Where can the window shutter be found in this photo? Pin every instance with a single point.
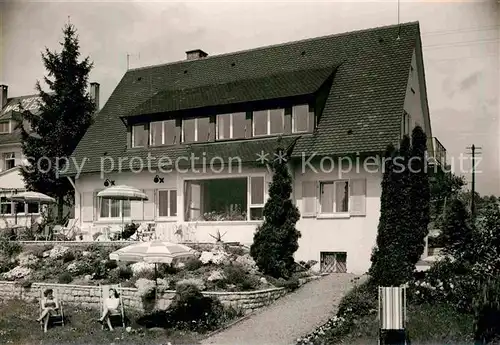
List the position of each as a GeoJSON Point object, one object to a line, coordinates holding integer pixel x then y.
{"type": "Point", "coordinates": [309, 199]}
{"type": "Point", "coordinates": [149, 205]}
{"type": "Point", "coordinates": [358, 197]}
{"type": "Point", "coordinates": [95, 206]}
{"type": "Point", "coordinates": [136, 210]}
{"type": "Point", "coordinates": [86, 206]}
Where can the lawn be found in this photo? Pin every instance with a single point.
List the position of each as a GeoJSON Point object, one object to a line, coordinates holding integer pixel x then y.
{"type": "Point", "coordinates": [18, 327]}
{"type": "Point", "coordinates": [427, 325]}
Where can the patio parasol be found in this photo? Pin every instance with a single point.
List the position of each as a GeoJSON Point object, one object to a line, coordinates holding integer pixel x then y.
{"type": "Point", "coordinates": [156, 252]}
{"type": "Point", "coordinates": [31, 197]}
{"type": "Point", "coordinates": [123, 193]}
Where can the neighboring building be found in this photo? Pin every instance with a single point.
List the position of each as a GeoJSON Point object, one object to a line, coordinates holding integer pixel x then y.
{"type": "Point", "coordinates": [332, 97]}
{"type": "Point", "coordinates": [11, 155]}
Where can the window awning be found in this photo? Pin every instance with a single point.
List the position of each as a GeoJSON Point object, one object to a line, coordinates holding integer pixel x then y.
{"type": "Point", "coordinates": [277, 86]}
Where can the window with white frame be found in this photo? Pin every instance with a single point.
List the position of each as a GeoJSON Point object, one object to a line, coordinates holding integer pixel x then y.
{"type": "Point", "coordinates": [139, 138]}
{"type": "Point", "coordinates": [300, 118]}
{"type": "Point", "coordinates": [5, 206]}
{"type": "Point", "coordinates": [9, 160]}
{"type": "Point", "coordinates": [231, 126]}
{"type": "Point", "coordinates": [167, 203]}
{"type": "Point", "coordinates": [196, 130]}
{"type": "Point", "coordinates": [110, 208]}
{"type": "Point", "coordinates": [162, 133]}
{"type": "Point", "coordinates": [224, 199]}
{"type": "Point", "coordinates": [334, 197]}
{"type": "Point", "coordinates": [405, 124]}
{"type": "Point", "coordinates": [256, 206]}
{"type": "Point", "coordinates": [33, 207]}
{"type": "Point", "coordinates": [4, 127]}
{"type": "Point", "coordinates": [268, 122]}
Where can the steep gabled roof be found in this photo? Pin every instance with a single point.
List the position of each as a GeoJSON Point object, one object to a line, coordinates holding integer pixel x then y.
{"type": "Point", "coordinates": [361, 113]}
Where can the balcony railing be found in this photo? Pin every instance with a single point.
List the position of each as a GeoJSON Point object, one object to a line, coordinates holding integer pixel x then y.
{"type": "Point", "coordinates": [436, 151]}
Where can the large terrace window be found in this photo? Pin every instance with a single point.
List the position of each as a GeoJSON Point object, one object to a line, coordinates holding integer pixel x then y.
{"type": "Point", "coordinates": [229, 199]}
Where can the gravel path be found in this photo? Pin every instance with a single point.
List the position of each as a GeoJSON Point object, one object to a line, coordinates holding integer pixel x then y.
{"type": "Point", "coordinates": [290, 317]}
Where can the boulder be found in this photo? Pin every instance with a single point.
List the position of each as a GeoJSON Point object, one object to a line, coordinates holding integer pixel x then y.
{"type": "Point", "coordinates": [247, 262]}
{"type": "Point", "coordinates": [17, 272]}
{"type": "Point", "coordinates": [215, 276]}
{"type": "Point", "coordinates": [263, 281]}
{"type": "Point", "coordinates": [58, 252]}
{"type": "Point", "coordinates": [27, 260]}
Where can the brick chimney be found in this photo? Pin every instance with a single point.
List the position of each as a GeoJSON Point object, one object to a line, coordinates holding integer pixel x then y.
{"type": "Point", "coordinates": [94, 93]}
{"type": "Point", "coordinates": [195, 54]}
{"type": "Point", "coordinates": [3, 95]}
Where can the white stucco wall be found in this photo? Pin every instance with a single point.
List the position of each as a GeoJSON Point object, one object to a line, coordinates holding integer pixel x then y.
{"type": "Point", "coordinates": [413, 101]}
{"type": "Point", "coordinates": [354, 235]}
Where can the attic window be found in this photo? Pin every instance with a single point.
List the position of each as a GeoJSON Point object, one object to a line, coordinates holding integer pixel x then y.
{"type": "Point", "coordinates": [349, 132]}
{"type": "Point", "coordinates": [139, 79]}
{"type": "Point", "coordinates": [233, 64]}
{"type": "Point", "coordinates": [185, 71]}
{"type": "Point", "coordinates": [139, 136]}
{"type": "Point", "coordinates": [303, 53]}
{"type": "Point", "coordinates": [4, 127]}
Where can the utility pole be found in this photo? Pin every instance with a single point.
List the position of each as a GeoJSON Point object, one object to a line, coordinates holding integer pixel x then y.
{"type": "Point", "coordinates": [473, 152]}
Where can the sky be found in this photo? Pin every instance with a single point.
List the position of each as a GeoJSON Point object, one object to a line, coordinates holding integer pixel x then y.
{"type": "Point", "coordinates": [461, 46]}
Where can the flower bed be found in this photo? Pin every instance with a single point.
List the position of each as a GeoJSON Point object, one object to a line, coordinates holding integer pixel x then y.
{"type": "Point", "coordinates": [215, 267]}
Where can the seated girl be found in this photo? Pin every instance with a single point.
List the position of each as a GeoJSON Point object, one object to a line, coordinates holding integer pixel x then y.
{"type": "Point", "coordinates": [50, 306]}
{"type": "Point", "coordinates": [111, 305]}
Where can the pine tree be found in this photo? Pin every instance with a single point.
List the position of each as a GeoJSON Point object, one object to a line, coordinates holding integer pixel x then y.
{"type": "Point", "coordinates": [65, 114]}
{"type": "Point", "coordinates": [276, 240]}
{"type": "Point", "coordinates": [456, 233]}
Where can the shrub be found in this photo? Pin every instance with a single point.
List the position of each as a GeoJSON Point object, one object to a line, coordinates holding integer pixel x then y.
{"type": "Point", "coordinates": [361, 300]}
{"type": "Point", "coordinates": [236, 275]}
{"type": "Point", "coordinates": [6, 265]}
{"type": "Point", "coordinates": [190, 309]}
{"type": "Point", "coordinates": [276, 240]}
{"type": "Point", "coordinates": [193, 264]}
{"type": "Point", "coordinates": [236, 250]}
{"type": "Point", "coordinates": [10, 248]}
{"type": "Point", "coordinates": [39, 250]}
{"type": "Point", "coordinates": [26, 284]}
{"type": "Point", "coordinates": [487, 313]}
{"type": "Point", "coordinates": [110, 264]}
{"type": "Point", "coordinates": [124, 272]}
{"type": "Point", "coordinates": [96, 235]}
{"type": "Point", "coordinates": [65, 278]}
{"type": "Point", "coordinates": [68, 256]}
{"type": "Point", "coordinates": [129, 230]}
{"type": "Point", "coordinates": [289, 284]}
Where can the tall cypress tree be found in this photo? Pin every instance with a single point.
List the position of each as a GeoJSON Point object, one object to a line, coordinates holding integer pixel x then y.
{"type": "Point", "coordinates": [404, 214]}
{"type": "Point", "coordinates": [276, 240]}
{"type": "Point", "coordinates": [419, 195]}
{"type": "Point", "coordinates": [65, 114]}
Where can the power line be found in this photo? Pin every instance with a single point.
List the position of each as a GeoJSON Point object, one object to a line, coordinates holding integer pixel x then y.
{"type": "Point", "coordinates": [452, 32]}
{"type": "Point", "coordinates": [456, 44]}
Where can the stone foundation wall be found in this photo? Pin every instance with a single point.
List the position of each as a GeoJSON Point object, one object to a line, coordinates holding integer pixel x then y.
{"type": "Point", "coordinates": [89, 296]}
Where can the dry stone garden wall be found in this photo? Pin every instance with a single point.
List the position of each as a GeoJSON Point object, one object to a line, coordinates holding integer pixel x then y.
{"type": "Point", "coordinates": [89, 296]}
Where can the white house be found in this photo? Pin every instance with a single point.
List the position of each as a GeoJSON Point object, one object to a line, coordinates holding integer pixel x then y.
{"type": "Point", "coordinates": [12, 160]}
{"type": "Point", "coordinates": [196, 135]}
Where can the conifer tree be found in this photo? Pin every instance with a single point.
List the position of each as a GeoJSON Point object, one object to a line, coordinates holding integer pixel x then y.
{"type": "Point", "coordinates": [276, 240]}
{"type": "Point", "coordinates": [66, 112]}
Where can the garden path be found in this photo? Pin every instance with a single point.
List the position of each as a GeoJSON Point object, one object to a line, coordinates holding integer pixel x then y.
{"type": "Point", "coordinates": [290, 317]}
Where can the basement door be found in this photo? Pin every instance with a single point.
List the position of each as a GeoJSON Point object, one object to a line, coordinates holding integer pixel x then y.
{"type": "Point", "coordinates": [333, 262]}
